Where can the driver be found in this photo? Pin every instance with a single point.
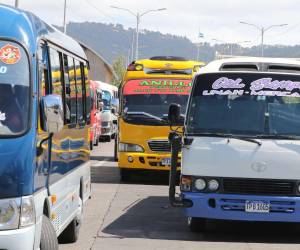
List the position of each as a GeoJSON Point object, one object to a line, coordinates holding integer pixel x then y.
{"type": "Point", "coordinates": [10, 115]}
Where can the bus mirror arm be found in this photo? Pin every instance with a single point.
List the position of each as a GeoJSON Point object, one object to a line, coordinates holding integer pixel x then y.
{"type": "Point", "coordinates": [175, 140]}
{"type": "Point", "coordinates": [40, 149]}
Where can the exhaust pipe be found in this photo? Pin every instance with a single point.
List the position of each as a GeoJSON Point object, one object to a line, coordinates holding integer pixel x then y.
{"type": "Point", "coordinates": [175, 140]}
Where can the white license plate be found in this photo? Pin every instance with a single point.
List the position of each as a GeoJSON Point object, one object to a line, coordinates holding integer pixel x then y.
{"type": "Point", "coordinates": [257, 207]}
{"type": "Point", "coordinates": [166, 161]}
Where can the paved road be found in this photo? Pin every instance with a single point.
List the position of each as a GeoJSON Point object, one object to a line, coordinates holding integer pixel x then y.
{"type": "Point", "coordinates": [137, 216]}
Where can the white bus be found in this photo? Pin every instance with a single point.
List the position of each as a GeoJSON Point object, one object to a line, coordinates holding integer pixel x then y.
{"type": "Point", "coordinates": [241, 143]}
{"type": "Point", "coordinates": [109, 126]}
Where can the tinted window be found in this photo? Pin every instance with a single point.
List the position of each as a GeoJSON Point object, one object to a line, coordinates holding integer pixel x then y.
{"type": "Point", "coordinates": [14, 89]}
{"type": "Point", "coordinates": [70, 89]}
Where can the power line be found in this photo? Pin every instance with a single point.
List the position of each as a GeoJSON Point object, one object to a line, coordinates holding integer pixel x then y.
{"type": "Point", "coordinates": [100, 11]}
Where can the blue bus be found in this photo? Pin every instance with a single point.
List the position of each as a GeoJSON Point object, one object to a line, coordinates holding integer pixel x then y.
{"type": "Point", "coordinates": [44, 133]}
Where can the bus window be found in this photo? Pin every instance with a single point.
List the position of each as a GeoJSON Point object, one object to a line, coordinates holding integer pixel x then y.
{"type": "Point", "coordinates": [56, 73]}
{"type": "Point", "coordinates": [87, 94]}
{"type": "Point", "coordinates": [43, 70]}
{"type": "Point", "coordinates": [70, 89]}
{"type": "Point", "coordinates": [80, 114]}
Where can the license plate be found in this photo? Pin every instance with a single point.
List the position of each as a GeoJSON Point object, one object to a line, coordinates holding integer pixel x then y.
{"type": "Point", "coordinates": [166, 161]}
{"type": "Point", "coordinates": [257, 207]}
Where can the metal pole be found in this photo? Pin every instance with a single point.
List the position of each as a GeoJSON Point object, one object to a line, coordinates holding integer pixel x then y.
{"type": "Point", "coordinates": [231, 49]}
{"type": "Point", "coordinates": [198, 51]}
{"type": "Point", "coordinates": [65, 13]}
{"type": "Point", "coordinates": [17, 3]}
{"type": "Point", "coordinates": [262, 41]}
{"type": "Point", "coordinates": [137, 37]}
{"type": "Point", "coordinates": [132, 46]}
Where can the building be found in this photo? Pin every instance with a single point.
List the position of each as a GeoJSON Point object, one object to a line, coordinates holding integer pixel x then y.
{"type": "Point", "coordinates": [100, 69]}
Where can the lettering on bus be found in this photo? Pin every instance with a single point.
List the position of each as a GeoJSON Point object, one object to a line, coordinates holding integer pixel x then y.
{"type": "Point", "coordinates": [158, 86]}
{"type": "Point", "coordinates": [3, 70]}
{"type": "Point", "coordinates": [260, 87]}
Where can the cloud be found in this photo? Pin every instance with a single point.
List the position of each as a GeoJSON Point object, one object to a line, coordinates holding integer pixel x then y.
{"type": "Point", "coordinates": [215, 18]}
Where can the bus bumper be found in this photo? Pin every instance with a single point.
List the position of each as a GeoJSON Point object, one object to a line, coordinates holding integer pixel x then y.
{"type": "Point", "coordinates": [232, 207]}
{"type": "Point", "coordinates": [144, 161]}
{"type": "Point", "coordinates": [18, 239]}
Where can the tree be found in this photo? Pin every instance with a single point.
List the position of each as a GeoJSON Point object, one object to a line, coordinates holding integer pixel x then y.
{"type": "Point", "coordinates": [119, 71]}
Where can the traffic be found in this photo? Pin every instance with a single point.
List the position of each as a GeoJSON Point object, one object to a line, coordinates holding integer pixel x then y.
{"type": "Point", "coordinates": [225, 132]}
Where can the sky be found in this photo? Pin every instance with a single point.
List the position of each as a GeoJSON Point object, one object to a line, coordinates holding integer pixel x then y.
{"type": "Point", "coordinates": [215, 19]}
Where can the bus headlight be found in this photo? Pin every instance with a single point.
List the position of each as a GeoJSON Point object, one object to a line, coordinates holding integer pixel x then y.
{"type": "Point", "coordinates": [200, 184]}
{"type": "Point", "coordinates": [128, 147]}
{"type": "Point", "coordinates": [9, 213]}
{"type": "Point", "coordinates": [213, 185]}
{"type": "Point", "coordinates": [27, 212]}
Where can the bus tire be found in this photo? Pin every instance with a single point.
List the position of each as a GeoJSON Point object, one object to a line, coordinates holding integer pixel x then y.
{"type": "Point", "coordinates": [71, 233]}
{"type": "Point", "coordinates": [196, 224]}
{"type": "Point", "coordinates": [48, 236]}
{"type": "Point", "coordinates": [116, 150]}
{"type": "Point", "coordinates": [124, 174]}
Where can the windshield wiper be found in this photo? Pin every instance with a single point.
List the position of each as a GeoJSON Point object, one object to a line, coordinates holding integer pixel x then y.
{"type": "Point", "coordinates": [231, 136]}
{"type": "Point", "coordinates": [280, 137]}
{"type": "Point", "coordinates": [147, 115]}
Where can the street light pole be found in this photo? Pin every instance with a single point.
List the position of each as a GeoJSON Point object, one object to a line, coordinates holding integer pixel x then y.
{"type": "Point", "coordinates": [16, 3]}
{"type": "Point", "coordinates": [138, 17]}
{"type": "Point", "coordinates": [65, 16]}
{"type": "Point", "coordinates": [263, 30]}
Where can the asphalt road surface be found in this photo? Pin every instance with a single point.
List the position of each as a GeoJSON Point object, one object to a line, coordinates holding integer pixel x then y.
{"type": "Point", "coordinates": [137, 216]}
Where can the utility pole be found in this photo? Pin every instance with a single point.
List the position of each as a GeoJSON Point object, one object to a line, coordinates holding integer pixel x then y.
{"type": "Point", "coordinates": [65, 16]}
{"type": "Point", "coordinates": [17, 3]}
{"type": "Point", "coordinates": [200, 36]}
{"type": "Point", "coordinates": [263, 30]}
{"type": "Point", "coordinates": [138, 17]}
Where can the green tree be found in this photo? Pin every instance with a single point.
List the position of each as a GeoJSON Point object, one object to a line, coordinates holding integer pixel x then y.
{"type": "Point", "coordinates": [119, 70]}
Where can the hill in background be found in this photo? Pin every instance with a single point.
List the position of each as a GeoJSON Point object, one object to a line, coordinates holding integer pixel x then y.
{"type": "Point", "coordinates": [112, 41]}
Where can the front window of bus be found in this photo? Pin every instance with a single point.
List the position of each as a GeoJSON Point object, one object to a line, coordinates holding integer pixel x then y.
{"type": "Point", "coordinates": [106, 97]}
{"type": "Point", "coordinates": [249, 105]}
{"type": "Point", "coordinates": [147, 102]}
{"type": "Point", "coordinates": [14, 89]}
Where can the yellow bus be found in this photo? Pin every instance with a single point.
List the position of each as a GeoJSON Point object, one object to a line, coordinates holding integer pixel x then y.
{"type": "Point", "coordinates": [149, 87]}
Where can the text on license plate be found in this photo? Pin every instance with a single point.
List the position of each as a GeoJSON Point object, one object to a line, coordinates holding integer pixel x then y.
{"type": "Point", "coordinates": [166, 161]}
{"type": "Point", "coordinates": [257, 207]}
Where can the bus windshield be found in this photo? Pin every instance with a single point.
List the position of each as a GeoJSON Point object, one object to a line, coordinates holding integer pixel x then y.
{"type": "Point", "coordinates": [147, 101]}
{"type": "Point", "coordinates": [106, 97]}
{"type": "Point", "coordinates": [245, 104]}
{"type": "Point", "coordinates": [14, 89]}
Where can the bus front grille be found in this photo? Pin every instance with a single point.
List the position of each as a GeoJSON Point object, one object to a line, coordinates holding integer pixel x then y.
{"type": "Point", "coordinates": [159, 146]}
{"type": "Point", "coordinates": [258, 186]}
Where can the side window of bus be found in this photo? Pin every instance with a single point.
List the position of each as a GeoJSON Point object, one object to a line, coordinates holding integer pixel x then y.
{"type": "Point", "coordinates": [55, 72]}
{"type": "Point", "coordinates": [70, 90]}
{"type": "Point", "coordinates": [43, 70]}
{"type": "Point", "coordinates": [80, 99]}
{"type": "Point", "coordinates": [88, 93]}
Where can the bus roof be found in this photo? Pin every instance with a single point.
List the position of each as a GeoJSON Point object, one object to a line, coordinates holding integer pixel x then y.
{"type": "Point", "coordinates": [253, 64]}
{"type": "Point", "coordinates": [28, 29]}
{"type": "Point", "coordinates": [106, 86]}
{"type": "Point", "coordinates": [166, 67]}
{"type": "Point", "coordinates": [165, 62]}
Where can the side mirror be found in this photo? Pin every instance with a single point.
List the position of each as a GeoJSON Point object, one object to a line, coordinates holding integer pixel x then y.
{"type": "Point", "coordinates": [174, 114]}
{"type": "Point", "coordinates": [113, 110]}
{"type": "Point", "coordinates": [52, 113]}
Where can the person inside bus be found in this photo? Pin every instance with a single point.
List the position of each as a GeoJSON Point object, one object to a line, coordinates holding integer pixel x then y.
{"type": "Point", "coordinates": [10, 112]}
